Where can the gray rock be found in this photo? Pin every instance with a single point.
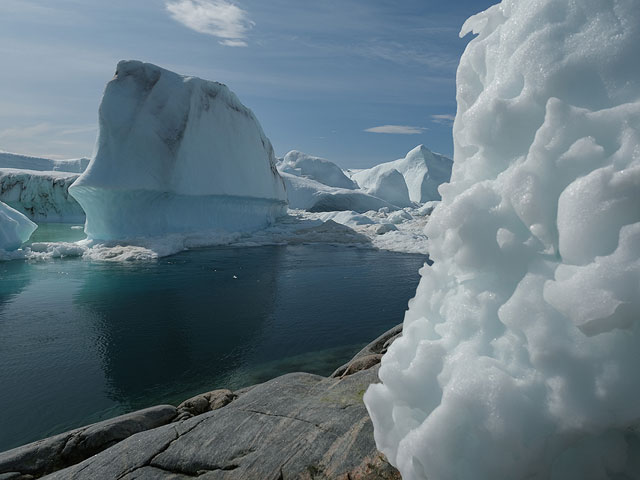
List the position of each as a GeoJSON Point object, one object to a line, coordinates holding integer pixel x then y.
{"type": "Point", "coordinates": [51, 454]}
{"type": "Point", "coordinates": [295, 426]}
{"type": "Point", "coordinates": [203, 403]}
{"type": "Point", "coordinates": [373, 351]}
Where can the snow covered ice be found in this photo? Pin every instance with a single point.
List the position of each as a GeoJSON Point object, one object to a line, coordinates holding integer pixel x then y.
{"type": "Point", "coordinates": [422, 170]}
{"type": "Point", "coordinates": [15, 228]}
{"type": "Point", "coordinates": [520, 350]}
{"type": "Point", "coordinates": [28, 162]}
{"type": "Point", "coordinates": [174, 155]}
{"type": "Point", "coordinates": [315, 168]}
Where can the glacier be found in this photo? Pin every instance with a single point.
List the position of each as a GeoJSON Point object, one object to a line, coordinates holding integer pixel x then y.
{"type": "Point", "coordinates": [15, 228]}
{"type": "Point", "coordinates": [176, 154]}
{"type": "Point", "coordinates": [422, 169]}
{"type": "Point", "coordinates": [520, 349]}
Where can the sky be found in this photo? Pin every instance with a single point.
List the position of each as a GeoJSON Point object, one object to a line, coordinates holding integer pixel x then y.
{"type": "Point", "coordinates": [358, 82]}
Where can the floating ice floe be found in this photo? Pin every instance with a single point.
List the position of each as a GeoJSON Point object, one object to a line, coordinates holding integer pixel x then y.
{"type": "Point", "coordinates": [315, 168]}
{"type": "Point", "coordinates": [15, 229]}
{"type": "Point", "coordinates": [520, 351]}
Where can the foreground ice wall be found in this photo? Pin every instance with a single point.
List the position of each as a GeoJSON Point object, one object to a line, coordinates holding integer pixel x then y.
{"type": "Point", "coordinates": [15, 228]}
{"type": "Point", "coordinates": [520, 350]}
{"type": "Point", "coordinates": [176, 154]}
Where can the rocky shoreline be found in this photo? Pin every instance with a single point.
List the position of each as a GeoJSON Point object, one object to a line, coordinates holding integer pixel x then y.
{"type": "Point", "coordinates": [298, 425]}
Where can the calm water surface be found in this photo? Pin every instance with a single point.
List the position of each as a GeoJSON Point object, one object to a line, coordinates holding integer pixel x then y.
{"type": "Point", "coordinates": [83, 341]}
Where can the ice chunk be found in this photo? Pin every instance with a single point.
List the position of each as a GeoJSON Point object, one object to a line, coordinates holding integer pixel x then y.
{"type": "Point", "coordinates": [41, 195]}
{"type": "Point", "coordinates": [390, 186]}
{"type": "Point", "coordinates": [176, 154]}
{"type": "Point", "coordinates": [27, 162]}
{"type": "Point", "coordinates": [15, 228]}
{"type": "Point", "coordinates": [423, 172]}
{"type": "Point", "coordinates": [520, 350]}
{"type": "Point", "coordinates": [315, 168]}
{"type": "Point", "coordinates": [306, 194]}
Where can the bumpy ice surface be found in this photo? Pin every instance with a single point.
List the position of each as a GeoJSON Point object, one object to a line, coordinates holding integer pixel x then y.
{"type": "Point", "coordinates": [176, 154]}
{"type": "Point", "coordinates": [315, 168]}
{"type": "Point", "coordinates": [15, 228]}
{"type": "Point", "coordinates": [423, 172]}
{"type": "Point", "coordinates": [520, 350]}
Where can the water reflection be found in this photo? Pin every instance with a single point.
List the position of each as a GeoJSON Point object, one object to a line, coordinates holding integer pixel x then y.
{"type": "Point", "coordinates": [178, 322]}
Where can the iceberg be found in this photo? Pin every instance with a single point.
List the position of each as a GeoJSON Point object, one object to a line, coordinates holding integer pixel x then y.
{"type": "Point", "coordinates": [520, 349]}
{"type": "Point", "coordinates": [315, 168]}
{"type": "Point", "coordinates": [306, 194]}
{"type": "Point", "coordinates": [176, 155]}
{"type": "Point", "coordinates": [41, 195]}
{"type": "Point", "coordinates": [423, 172]}
{"type": "Point", "coordinates": [389, 185]}
{"type": "Point", "coordinates": [15, 228]}
{"type": "Point", "coordinates": [27, 162]}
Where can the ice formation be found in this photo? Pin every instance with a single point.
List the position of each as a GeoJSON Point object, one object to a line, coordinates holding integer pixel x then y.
{"type": "Point", "coordinates": [423, 172]}
{"type": "Point", "coordinates": [520, 350]}
{"type": "Point", "coordinates": [176, 154]}
{"type": "Point", "coordinates": [306, 194]}
{"type": "Point", "coordinates": [15, 228]}
{"type": "Point", "coordinates": [27, 162]}
{"type": "Point", "coordinates": [41, 195]}
{"type": "Point", "coordinates": [315, 168]}
{"type": "Point", "coordinates": [391, 186]}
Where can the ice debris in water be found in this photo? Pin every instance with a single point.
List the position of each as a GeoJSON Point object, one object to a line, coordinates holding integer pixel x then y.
{"type": "Point", "coordinates": [520, 350]}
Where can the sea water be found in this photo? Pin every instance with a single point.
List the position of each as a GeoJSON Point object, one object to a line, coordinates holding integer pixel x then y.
{"type": "Point", "coordinates": [82, 341]}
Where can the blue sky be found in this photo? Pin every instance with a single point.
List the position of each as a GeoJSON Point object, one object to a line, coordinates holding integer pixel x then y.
{"type": "Point", "coordinates": [356, 81]}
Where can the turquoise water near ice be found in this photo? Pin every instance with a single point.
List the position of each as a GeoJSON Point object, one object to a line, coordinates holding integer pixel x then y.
{"type": "Point", "coordinates": [83, 341]}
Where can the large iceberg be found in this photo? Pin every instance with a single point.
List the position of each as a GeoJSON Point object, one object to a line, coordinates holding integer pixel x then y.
{"type": "Point", "coordinates": [315, 168]}
{"type": "Point", "coordinates": [41, 195]}
{"type": "Point", "coordinates": [423, 172]}
{"type": "Point", "coordinates": [176, 154]}
{"type": "Point", "coordinates": [15, 228]}
{"type": "Point", "coordinates": [520, 350]}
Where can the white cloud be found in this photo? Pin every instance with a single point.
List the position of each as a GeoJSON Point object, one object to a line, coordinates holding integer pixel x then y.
{"type": "Point", "coordinates": [219, 18]}
{"type": "Point", "coordinates": [397, 129]}
{"type": "Point", "coordinates": [444, 119]}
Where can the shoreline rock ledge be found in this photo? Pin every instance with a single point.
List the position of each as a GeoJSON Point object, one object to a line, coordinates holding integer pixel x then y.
{"type": "Point", "coordinates": [297, 426]}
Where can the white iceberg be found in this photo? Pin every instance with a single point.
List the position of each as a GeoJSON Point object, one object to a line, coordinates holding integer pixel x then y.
{"type": "Point", "coordinates": [28, 162]}
{"type": "Point", "coordinates": [520, 351]}
{"type": "Point", "coordinates": [306, 194]}
{"type": "Point", "coordinates": [389, 185]}
{"type": "Point", "coordinates": [315, 168]}
{"type": "Point", "coordinates": [176, 154]}
{"type": "Point", "coordinates": [41, 195]}
{"type": "Point", "coordinates": [423, 172]}
{"type": "Point", "coordinates": [15, 228]}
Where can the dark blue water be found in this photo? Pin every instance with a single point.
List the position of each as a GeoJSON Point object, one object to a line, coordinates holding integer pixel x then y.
{"type": "Point", "coordinates": [82, 341]}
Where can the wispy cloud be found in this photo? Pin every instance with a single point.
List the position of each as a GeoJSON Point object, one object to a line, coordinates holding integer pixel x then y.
{"type": "Point", "coordinates": [219, 18]}
{"type": "Point", "coordinates": [397, 129]}
{"type": "Point", "coordinates": [443, 119]}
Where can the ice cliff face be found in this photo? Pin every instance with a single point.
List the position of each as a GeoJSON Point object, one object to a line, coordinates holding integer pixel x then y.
{"type": "Point", "coordinates": [27, 162]}
{"type": "Point", "coordinates": [520, 350]}
{"type": "Point", "coordinates": [15, 228]}
{"type": "Point", "coordinates": [176, 154]}
{"type": "Point", "coordinates": [40, 195]}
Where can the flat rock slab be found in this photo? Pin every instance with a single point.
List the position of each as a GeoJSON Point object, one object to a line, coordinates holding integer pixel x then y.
{"type": "Point", "coordinates": [53, 453]}
{"type": "Point", "coordinates": [295, 426]}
